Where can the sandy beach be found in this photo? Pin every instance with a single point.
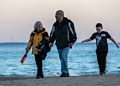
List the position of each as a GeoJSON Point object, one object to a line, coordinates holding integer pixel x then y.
{"type": "Point", "coordinates": [92, 80]}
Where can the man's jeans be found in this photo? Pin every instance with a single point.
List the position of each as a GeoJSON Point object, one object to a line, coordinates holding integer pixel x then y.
{"type": "Point", "coordinates": [63, 53]}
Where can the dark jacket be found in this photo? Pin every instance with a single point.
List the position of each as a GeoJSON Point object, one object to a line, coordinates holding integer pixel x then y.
{"type": "Point", "coordinates": [63, 32]}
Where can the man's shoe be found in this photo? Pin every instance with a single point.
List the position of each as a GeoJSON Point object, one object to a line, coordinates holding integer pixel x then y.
{"type": "Point", "coordinates": [64, 75]}
{"type": "Point", "coordinates": [67, 75]}
{"type": "Point", "coordinates": [38, 77]}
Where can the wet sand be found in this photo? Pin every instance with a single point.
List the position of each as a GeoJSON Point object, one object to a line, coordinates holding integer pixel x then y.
{"type": "Point", "coordinates": [91, 80]}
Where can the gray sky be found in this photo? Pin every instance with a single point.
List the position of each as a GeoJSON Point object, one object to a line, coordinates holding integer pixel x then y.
{"type": "Point", "coordinates": [18, 16]}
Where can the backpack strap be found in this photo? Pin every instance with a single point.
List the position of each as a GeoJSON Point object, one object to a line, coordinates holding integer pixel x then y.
{"type": "Point", "coordinates": [45, 36]}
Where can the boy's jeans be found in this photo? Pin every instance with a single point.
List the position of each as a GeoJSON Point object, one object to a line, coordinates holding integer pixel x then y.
{"type": "Point", "coordinates": [63, 53]}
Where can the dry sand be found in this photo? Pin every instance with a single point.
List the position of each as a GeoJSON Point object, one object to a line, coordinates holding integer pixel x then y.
{"type": "Point", "coordinates": [92, 80]}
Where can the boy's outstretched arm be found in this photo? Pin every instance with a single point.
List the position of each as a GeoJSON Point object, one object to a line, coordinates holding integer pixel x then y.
{"type": "Point", "coordinates": [86, 40]}
{"type": "Point", "coordinates": [112, 39]}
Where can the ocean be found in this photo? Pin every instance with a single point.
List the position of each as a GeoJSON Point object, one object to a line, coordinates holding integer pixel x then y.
{"type": "Point", "coordinates": [81, 60]}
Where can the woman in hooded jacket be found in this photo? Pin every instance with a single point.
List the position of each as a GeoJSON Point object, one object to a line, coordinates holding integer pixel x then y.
{"type": "Point", "coordinates": [35, 38]}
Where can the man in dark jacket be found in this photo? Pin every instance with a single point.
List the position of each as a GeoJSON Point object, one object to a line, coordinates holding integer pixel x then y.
{"type": "Point", "coordinates": [63, 32]}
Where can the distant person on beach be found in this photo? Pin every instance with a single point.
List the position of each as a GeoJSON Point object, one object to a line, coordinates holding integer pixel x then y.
{"type": "Point", "coordinates": [36, 37]}
{"type": "Point", "coordinates": [102, 46]}
{"type": "Point", "coordinates": [63, 32]}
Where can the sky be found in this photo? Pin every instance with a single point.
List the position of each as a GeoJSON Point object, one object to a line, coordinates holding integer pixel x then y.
{"type": "Point", "coordinates": [17, 17]}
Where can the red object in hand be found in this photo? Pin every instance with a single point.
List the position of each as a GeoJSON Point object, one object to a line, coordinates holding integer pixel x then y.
{"type": "Point", "coordinates": [23, 59]}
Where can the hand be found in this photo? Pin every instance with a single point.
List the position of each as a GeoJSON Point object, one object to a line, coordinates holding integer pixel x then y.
{"type": "Point", "coordinates": [26, 52]}
{"type": "Point", "coordinates": [25, 55]}
{"type": "Point", "coordinates": [50, 44]}
{"type": "Point", "coordinates": [117, 46]}
{"type": "Point", "coordinates": [70, 45]}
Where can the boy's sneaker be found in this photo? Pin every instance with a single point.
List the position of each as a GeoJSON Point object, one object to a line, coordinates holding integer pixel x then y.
{"type": "Point", "coordinates": [102, 73]}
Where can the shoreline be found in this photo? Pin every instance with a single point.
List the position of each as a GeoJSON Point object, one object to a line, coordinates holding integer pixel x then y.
{"type": "Point", "coordinates": [86, 80]}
